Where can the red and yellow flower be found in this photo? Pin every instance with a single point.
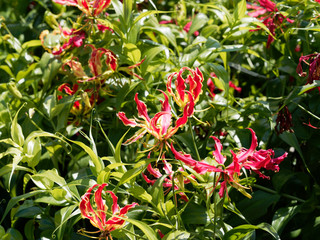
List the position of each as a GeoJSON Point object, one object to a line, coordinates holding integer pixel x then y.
{"type": "Point", "coordinates": [160, 125]}
{"type": "Point", "coordinates": [187, 89]}
{"type": "Point", "coordinates": [90, 8]}
{"type": "Point", "coordinates": [95, 209]}
{"type": "Point", "coordinates": [251, 159]}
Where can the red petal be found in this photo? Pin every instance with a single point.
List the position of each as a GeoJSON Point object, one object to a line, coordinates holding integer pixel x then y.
{"type": "Point", "coordinates": [126, 208]}
{"type": "Point", "coordinates": [142, 108]}
{"type": "Point", "coordinates": [217, 153]}
{"type": "Point", "coordinates": [125, 120]}
{"type": "Point", "coordinates": [115, 206]}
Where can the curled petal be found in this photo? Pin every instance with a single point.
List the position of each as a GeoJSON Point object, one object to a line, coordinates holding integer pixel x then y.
{"type": "Point", "coordinates": [142, 108]}
{"type": "Point", "coordinates": [76, 68]}
{"type": "Point", "coordinates": [254, 143]}
{"type": "Point", "coordinates": [139, 134]}
{"type": "Point", "coordinates": [115, 207]}
{"type": "Point", "coordinates": [67, 2]}
{"type": "Point", "coordinates": [166, 118]}
{"type": "Point", "coordinates": [154, 171]}
{"type": "Point", "coordinates": [183, 120]}
{"type": "Point", "coordinates": [100, 5]}
{"type": "Point", "coordinates": [180, 86]}
{"type": "Point", "coordinates": [217, 153]}
{"type": "Point", "coordinates": [111, 60]}
{"type": "Point", "coordinates": [126, 208]}
{"type": "Point", "coordinates": [87, 210]}
{"type": "Point", "coordinates": [147, 179]}
{"type": "Point", "coordinates": [196, 87]}
{"type": "Point", "coordinates": [167, 166]}
{"type": "Point", "coordinates": [125, 120]}
{"type": "Point", "coordinates": [199, 167]}
{"type": "Point", "coordinates": [101, 208]}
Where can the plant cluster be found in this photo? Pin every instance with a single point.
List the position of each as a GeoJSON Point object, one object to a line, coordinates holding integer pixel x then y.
{"type": "Point", "coordinates": [157, 119]}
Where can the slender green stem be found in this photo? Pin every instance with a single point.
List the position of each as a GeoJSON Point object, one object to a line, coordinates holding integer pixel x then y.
{"type": "Point", "coordinates": [313, 115]}
{"type": "Point", "coordinates": [194, 142]}
{"type": "Point", "coordinates": [214, 205]}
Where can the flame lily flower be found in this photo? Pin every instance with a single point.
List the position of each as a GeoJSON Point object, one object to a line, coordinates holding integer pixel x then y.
{"type": "Point", "coordinates": [248, 158]}
{"type": "Point", "coordinates": [97, 213]}
{"type": "Point", "coordinates": [96, 65]}
{"type": "Point", "coordinates": [159, 126]}
{"type": "Point", "coordinates": [284, 121]}
{"type": "Point", "coordinates": [168, 182]}
{"type": "Point", "coordinates": [270, 16]}
{"type": "Point", "coordinates": [69, 38]}
{"type": "Point", "coordinates": [183, 96]}
{"type": "Point", "coordinates": [313, 60]}
{"type": "Point", "coordinates": [90, 8]}
{"type": "Point", "coordinates": [80, 109]}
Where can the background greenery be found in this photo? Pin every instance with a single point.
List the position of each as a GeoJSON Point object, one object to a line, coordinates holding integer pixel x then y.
{"type": "Point", "coordinates": [51, 154]}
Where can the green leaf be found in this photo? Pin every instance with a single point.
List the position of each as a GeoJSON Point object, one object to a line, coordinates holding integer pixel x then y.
{"type": "Point", "coordinates": [32, 151]}
{"type": "Point", "coordinates": [12, 87]}
{"type": "Point", "coordinates": [147, 13]}
{"type": "Point", "coordinates": [32, 43]}
{"type": "Point", "coordinates": [117, 154]}
{"type": "Point", "coordinates": [150, 234]}
{"type": "Point", "coordinates": [2, 231]}
{"type": "Point", "coordinates": [157, 193]}
{"type": "Point", "coordinates": [198, 22]}
{"type": "Point", "coordinates": [222, 75]}
{"type": "Point", "coordinates": [13, 201]}
{"type": "Point", "coordinates": [95, 162]}
{"type": "Point", "coordinates": [242, 231]}
{"type": "Point", "coordinates": [291, 140]}
{"type": "Point", "coordinates": [47, 178]}
{"type": "Point", "coordinates": [135, 171]}
{"type": "Point", "coordinates": [282, 216]}
{"type": "Point", "coordinates": [132, 52]}
{"type": "Point", "coordinates": [61, 219]}
{"type": "Point", "coordinates": [300, 90]}
{"type": "Point", "coordinates": [8, 168]}
{"type": "Point", "coordinates": [164, 31]}
{"type": "Point", "coordinates": [195, 214]}
{"type": "Point", "coordinates": [240, 10]}
{"type": "Point", "coordinates": [12, 234]}
{"type": "Point", "coordinates": [150, 55]}
{"type": "Point", "coordinates": [16, 130]}
{"type": "Point", "coordinates": [29, 229]}
{"type": "Point", "coordinates": [140, 193]}
{"type": "Point", "coordinates": [182, 235]}
{"type": "Point", "coordinates": [7, 69]}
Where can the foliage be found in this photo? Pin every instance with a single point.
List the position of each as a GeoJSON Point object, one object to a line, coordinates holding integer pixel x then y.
{"type": "Point", "coordinates": [159, 119]}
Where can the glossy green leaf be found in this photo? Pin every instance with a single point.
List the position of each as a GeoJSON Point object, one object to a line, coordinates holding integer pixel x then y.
{"type": "Point", "coordinates": [12, 234]}
{"type": "Point", "coordinates": [240, 10]}
{"type": "Point", "coordinates": [222, 74]}
{"type": "Point", "coordinates": [13, 201]}
{"type": "Point", "coordinates": [282, 216]}
{"type": "Point", "coordinates": [16, 130]}
{"type": "Point", "coordinates": [150, 234]}
{"type": "Point", "coordinates": [117, 154]}
{"type": "Point", "coordinates": [2, 231]}
{"type": "Point", "coordinates": [182, 235]}
{"type": "Point", "coordinates": [95, 162]}
{"type": "Point", "coordinates": [132, 52]}
{"type": "Point", "coordinates": [29, 229]}
{"type": "Point", "coordinates": [198, 22]}
{"type": "Point", "coordinates": [242, 231]}
{"type": "Point", "coordinates": [140, 193]}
